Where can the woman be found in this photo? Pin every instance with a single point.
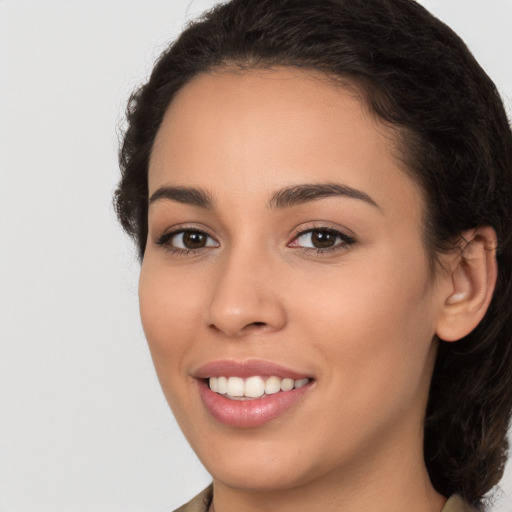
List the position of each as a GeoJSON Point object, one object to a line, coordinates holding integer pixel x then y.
{"type": "Point", "coordinates": [321, 194]}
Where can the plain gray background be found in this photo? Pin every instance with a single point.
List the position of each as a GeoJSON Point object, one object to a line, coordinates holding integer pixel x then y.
{"type": "Point", "coordinates": [83, 424]}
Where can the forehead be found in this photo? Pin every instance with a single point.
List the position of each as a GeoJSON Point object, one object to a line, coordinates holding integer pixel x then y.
{"type": "Point", "coordinates": [250, 133]}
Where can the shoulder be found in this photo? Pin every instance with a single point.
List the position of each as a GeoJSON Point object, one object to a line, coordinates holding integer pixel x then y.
{"type": "Point", "coordinates": [457, 504]}
{"type": "Point", "coordinates": [200, 503]}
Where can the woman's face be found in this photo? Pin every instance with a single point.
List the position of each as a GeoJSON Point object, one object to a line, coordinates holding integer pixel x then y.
{"type": "Point", "coordinates": [285, 251]}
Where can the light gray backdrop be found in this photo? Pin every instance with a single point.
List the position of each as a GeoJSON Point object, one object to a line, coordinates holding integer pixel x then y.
{"type": "Point", "coordinates": [83, 425]}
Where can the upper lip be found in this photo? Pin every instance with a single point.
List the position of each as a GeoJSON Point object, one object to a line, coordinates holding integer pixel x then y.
{"type": "Point", "coordinates": [246, 368]}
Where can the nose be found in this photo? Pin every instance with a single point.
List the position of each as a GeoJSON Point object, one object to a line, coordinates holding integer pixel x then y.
{"type": "Point", "coordinates": [246, 298]}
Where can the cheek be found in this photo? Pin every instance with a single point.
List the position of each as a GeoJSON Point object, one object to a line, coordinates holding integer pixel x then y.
{"type": "Point", "coordinates": [373, 324]}
{"type": "Point", "coordinates": [368, 292]}
{"type": "Point", "coordinates": [170, 314]}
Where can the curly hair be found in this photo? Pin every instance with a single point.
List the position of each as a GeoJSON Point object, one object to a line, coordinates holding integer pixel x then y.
{"type": "Point", "coordinates": [417, 75]}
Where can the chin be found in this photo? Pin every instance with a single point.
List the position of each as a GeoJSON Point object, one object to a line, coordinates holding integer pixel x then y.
{"type": "Point", "coordinates": [242, 461]}
{"type": "Point", "coordinates": [255, 477]}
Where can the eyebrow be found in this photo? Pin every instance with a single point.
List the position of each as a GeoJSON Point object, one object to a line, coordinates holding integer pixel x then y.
{"type": "Point", "coordinates": [186, 195]}
{"type": "Point", "coordinates": [284, 198]}
{"type": "Point", "coordinates": [300, 194]}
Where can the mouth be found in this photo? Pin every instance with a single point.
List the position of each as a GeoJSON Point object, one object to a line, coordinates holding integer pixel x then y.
{"type": "Point", "coordinates": [250, 393]}
{"type": "Point", "coordinates": [238, 388]}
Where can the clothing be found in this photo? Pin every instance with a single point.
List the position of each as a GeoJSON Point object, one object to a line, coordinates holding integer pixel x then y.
{"type": "Point", "coordinates": [202, 502]}
{"type": "Point", "coordinates": [457, 504]}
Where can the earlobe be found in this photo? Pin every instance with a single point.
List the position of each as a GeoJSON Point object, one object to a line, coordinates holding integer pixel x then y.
{"type": "Point", "coordinates": [472, 281]}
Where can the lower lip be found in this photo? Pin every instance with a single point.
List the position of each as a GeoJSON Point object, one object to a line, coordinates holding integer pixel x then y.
{"type": "Point", "coordinates": [249, 413]}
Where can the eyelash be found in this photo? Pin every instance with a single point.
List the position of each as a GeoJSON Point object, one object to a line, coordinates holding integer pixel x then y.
{"type": "Point", "coordinates": [346, 240]}
{"type": "Point", "coordinates": [166, 239]}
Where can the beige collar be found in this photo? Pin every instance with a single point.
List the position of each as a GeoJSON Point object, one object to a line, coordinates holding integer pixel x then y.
{"type": "Point", "coordinates": [202, 502]}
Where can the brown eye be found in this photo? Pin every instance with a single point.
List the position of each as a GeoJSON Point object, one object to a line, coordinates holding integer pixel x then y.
{"type": "Point", "coordinates": [322, 239]}
{"type": "Point", "coordinates": [187, 240]}
{"type": "Point", "coordinates": [193, 239]}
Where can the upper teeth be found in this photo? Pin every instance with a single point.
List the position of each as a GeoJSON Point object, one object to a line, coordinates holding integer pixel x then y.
{"type": "Point", "coordinates": [253, 387]}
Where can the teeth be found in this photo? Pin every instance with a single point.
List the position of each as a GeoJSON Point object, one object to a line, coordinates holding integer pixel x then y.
{"type": "Point", "coordinates": [272, 385]}
{"type": "Point", "coordinates": [301, 382]}
{"type": "Point", "coordinates": [287, 384]}
{"type": "Point", "coordinates": [214, 384]}
{"type": "Point", "coordinates": [253, 387]}
{"type": "Point", "coordinates": [236, 386]}
{"type": "Point", "coordinates": [222, 385]}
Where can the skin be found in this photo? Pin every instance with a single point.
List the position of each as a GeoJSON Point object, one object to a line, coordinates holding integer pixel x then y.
{"type": "Point", "coordinates": [361, 318]}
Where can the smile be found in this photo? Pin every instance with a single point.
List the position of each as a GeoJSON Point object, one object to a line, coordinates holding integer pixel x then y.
{"type": "Point", "coordinates": [250, 393]}
{"type": "Point", "coordinates": [237, 388]}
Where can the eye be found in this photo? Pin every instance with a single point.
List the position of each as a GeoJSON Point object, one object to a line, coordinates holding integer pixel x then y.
{"type": "Point", "coordinates": [322, 240]}
{"type": "Point", "coordinates": [186, 240]}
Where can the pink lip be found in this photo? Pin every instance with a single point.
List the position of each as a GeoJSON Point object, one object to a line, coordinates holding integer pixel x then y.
{"type": "Point", "coordinates": [246, 368]}
{"type": "Point", "coordinates": [248, 413]}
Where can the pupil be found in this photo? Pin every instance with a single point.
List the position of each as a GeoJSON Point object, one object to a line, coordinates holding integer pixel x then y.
{"type": "Point", "coordinates": [194, 240]}
{"type": "Point", "coordinates": [323, 239]}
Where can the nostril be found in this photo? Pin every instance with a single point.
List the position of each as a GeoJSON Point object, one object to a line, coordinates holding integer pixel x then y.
{"type": "Point", "coordinates": [255, 326]}
{"type": "Point", "coordinates": [213, 327]}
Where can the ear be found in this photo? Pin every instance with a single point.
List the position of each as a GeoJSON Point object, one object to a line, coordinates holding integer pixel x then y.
{"type": "Point", "coordinates": [470, 284]}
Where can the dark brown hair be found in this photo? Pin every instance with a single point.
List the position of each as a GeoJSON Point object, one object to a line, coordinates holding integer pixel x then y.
{"type": "Point", "coordinates": [417, 75]}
